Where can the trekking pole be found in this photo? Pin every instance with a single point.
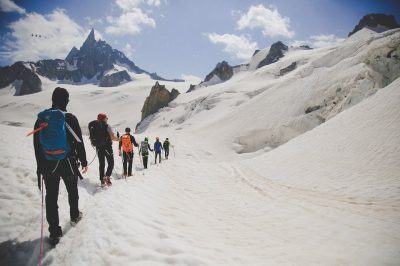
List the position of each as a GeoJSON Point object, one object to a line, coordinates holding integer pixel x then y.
{"type": "Point", "coordinates": [122, 159]}
{"type": "Point", "coordinates": [140, 157]}
{"type": "Point", "coordinates": [41, 228]}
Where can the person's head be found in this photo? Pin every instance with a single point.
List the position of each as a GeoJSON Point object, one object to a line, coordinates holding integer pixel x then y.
{"type": "Point", "coordinates": [60, 98]}
{"type": "Point", "coordinates": [102, 117]}
{"type": "Point", "coordinates": [157, 138]}
{"type": "Point", "coordinates": [146, 139]}
{"type": "Point", "coordinates": [127, 130]}
{"type": "Point", "coordinates": [167, 139]}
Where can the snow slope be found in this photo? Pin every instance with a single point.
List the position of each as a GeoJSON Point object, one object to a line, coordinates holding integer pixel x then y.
{"type": "Point", "coordinates": [252, 179]}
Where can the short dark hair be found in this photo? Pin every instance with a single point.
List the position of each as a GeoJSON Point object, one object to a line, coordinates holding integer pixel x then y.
{"type": "Point", "coordinates": [127, 129]}
{"type": "Point", "coordinates": [60, 97]}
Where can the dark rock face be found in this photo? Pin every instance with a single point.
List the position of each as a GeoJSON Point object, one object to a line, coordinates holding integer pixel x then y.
{"type": "Point", "coordinates": [114, 79]}
{"type": "Point", "coordinates": [286, 70]}
{"type": "Point", "coordinates": [373, 20]}
{"type": "Point", "coordinates": [57, 69]}
{"type": "Point", "coordinates": [191, 88]}
{"type": "Point", "coordinates": [275, 53]}
{"type": "Point", "coordinates": [312, 109]}
{"type": "Point", "coordinates": [174, 93]}
{"type": "Point", "coordinates": [256, 52]}
{"type": "Point", "coordinates": [96, 57]}
{"type": "Point", "coordinates": [159, 97]}
{"type": "Point", "coordinates": [306, 47]}
{"type": "Point", "coordinates": [31, 83]}
{"type": "Point", "coordinates": [223, 70]}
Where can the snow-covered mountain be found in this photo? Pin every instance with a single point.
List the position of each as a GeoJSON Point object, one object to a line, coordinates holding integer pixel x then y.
{"type": "Point", "coordinates": [95, 62]}
{"type": "Point", "coordinates": [271, 167]}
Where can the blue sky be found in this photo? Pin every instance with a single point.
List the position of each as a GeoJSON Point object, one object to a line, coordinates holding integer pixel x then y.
{"type": "Point", "coordinates": [177, 38]}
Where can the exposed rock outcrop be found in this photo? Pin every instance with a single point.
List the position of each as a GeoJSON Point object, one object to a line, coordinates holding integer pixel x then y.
{"type": "Point", "coordinates": [159, 97]}
{"type": "Point", "coordinates": [275, 53]}
{"type": "Point", "coordinates": [375, 20]}
{"type": "Point", "coordinates": [31, 83]}
{"type": "Point", "coordinates": [114, 79]}
{"type": "Point", "coordinates": [191, 88]}
{"type": "Point", "coordinates": [222, 70]}
{"type": "Point", "coordinates": [305, 47]}
{"type": "Point", "coordinates": [286, 70]}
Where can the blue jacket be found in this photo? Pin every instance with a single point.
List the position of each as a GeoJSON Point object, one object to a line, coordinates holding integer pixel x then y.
{"type": "Point", "coordinates": [157, 146]}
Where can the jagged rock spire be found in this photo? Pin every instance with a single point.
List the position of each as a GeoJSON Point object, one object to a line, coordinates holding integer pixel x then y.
{"type": "Point", "coordinates": [90, 40]}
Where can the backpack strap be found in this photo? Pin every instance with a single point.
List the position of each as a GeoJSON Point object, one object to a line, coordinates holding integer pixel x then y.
{"type": "Point", "coordinates": [73, 133]}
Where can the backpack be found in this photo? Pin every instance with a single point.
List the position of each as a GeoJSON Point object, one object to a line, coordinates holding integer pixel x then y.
{"type": "Point", "coordinates": [126, 143]}
{"type": "Point", "coordinates": [98, 133]}
{"type": "Point", "coordinates": [53, 134]}
{"type": "Point", "coordinates": [157, 146]}
{"type": "Point", "coordinates": [144, 147]}
{"type": "Point", "coordinates": [166, 144]}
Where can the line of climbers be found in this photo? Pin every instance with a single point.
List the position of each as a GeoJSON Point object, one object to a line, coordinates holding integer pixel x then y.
{"type": "Point", "coordinates": [101, 136]}
{"type": "Point", "coordinates": [60, 151]}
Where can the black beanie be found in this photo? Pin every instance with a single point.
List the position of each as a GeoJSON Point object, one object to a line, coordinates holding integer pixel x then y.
{"type": "Point", "coordinates": [60, 98]}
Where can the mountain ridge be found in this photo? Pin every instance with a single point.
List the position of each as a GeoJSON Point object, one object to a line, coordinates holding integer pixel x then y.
{"type": "Point", "coordinates": [89, 64]}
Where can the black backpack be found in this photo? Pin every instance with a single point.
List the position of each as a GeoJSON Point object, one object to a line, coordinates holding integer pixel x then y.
{"type": "Point", "coordinates": [98, 133]}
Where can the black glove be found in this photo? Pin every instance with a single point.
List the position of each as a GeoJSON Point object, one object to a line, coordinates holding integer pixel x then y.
{"type": "Point", "coordinates": [38, 179]}
{"type": "Point", "coordinates": [80, 175]}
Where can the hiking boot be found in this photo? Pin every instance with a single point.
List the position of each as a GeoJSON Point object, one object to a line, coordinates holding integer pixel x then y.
{"type": "Point", "coordinates": [74, 221]}
{"type": "Point", "coordinates": [108, 180]}
{"type": "Point", "coordinates": [55, 238]}
{"type": "Point", "coordinates": [103, 183]}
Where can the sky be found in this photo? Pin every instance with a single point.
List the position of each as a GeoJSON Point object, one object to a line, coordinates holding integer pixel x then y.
{"type": "Point", "coordinates": [177, 38]}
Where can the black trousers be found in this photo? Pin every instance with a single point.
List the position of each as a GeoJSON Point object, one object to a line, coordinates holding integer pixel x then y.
{"type": "Point", "coordinates": [127, 161]}
{"type": "Point", "coordinates": [105, 152]}
{"type": "Point", "coordinates": [158, 153]}
{"type": "Point", "coordinates": [166, 150]}
{"type": "Point", "coordinates": [145, 158]}
{"type": "Point", "coordinates": [65, 171]}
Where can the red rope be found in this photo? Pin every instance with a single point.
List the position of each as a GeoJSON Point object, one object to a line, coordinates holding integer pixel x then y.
{"type": "Point", "coordinates": [41, 230]}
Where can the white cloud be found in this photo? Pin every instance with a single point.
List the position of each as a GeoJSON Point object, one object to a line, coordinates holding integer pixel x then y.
{"type": "Point", "coordinates": [128, 5]}
{"type": "Point", "coordinates": [93, 21]}
{"type": "Point", "coordinates": [318, 41]}
{"type": "Point", "coordinates": [238, 46]}
{"type": "Point", "coordinates": [128, 50]}
{"type": "Point", "coordinates": [269, 20]}
{"type": "Point", "coordinates": [37, 36]}
{"type": "Point", "coordinates": [132, 19]}
{"type": "Point", "coordinates": [191, 78]}
{"type": "Point", "coordinates": [129, 23]}
{"type": "Point", "coordinates": [153, 2]}
{"type": "Point", "coordinates": [10, 6]}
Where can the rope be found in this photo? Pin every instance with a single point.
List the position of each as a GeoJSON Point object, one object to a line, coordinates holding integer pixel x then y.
{"type": "Point", "coordinates": [41, 230]}
{"type": "Point", "coordinates": [93, 157]}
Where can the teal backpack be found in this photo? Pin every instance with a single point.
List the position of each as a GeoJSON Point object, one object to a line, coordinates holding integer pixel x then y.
{"type": "Point", "coordinates": [53, 135]}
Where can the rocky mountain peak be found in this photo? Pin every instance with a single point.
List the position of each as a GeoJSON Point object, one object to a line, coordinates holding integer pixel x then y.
{"type": "Point", "coordinates": [90, 40]}
{"type": "Point", "coordinates": [74, 51]}
{"type": "Point", "coordinates": [374, 20]}
{"type": "Point", "coordinates": [222, 70]}
{"type": "Point", "coordinates": [274, 54]}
